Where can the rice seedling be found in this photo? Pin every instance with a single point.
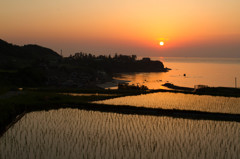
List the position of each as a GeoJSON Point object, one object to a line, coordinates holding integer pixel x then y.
{"type": "Point", "coordinates": [180, 101]}
{"type": "Point", "coordinates": [73, 133]}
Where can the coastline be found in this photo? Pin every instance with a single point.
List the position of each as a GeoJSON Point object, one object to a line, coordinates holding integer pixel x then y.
{"type": "Point", "coordinates": [111, 84]}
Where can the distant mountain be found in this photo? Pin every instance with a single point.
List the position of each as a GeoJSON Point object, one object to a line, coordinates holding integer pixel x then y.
{"type": "Point", "coordinates": [27, 52]}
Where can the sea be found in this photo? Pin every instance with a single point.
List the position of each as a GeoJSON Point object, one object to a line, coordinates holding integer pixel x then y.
{"type": "Point", "coordinates": [188, 72]}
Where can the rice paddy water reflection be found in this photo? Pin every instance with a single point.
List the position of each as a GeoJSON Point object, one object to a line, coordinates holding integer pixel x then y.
{"type": "Point", "coordinates": [73, 133]}
{"type": "Point", "coordinates": [180, 101]}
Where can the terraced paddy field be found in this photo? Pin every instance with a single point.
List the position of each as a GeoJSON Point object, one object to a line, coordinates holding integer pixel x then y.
{"type": "Point", "coordinates": [74, 133]}
{"type": "Point", "coordinates": [180, 101]}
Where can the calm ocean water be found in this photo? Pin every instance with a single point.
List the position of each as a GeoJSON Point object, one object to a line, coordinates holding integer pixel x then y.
{"type": "Point", "coordinates": [206, 71]}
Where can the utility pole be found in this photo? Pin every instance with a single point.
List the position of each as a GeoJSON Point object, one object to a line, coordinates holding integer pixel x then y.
{"type": "Point", "coordinates": [235, 82]}
{"type": "Point", "coordinates": [61, 52]}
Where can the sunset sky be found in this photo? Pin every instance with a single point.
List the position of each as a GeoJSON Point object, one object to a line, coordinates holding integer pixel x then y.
{"type": "Point", "coordinates": [189, 28]}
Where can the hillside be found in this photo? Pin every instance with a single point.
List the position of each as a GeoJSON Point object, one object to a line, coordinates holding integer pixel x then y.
{"type": "Point", "coordinates": [14, 55]}
{"type": "Point", "coordinates": [33, 65]}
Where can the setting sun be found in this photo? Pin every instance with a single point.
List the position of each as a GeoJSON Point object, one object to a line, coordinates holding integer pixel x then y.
{"type": "Point", "coordinates": [161, 43]}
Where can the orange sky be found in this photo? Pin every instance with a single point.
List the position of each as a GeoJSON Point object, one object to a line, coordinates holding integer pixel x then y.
{"type": "Point", "coordinates": [188, 28]}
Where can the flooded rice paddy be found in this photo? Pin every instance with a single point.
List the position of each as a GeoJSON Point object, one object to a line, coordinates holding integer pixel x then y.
{"type": "Point", "coordinates": [180, 101]}
{"type": "Point", "coordinates": [73, 133]}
